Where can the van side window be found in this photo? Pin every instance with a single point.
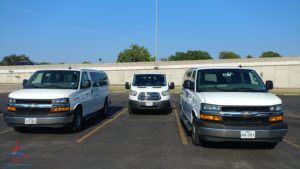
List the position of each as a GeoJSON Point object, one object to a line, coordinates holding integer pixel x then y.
{"type": "Point", "coordinates": [193, 79]}
{"type": "Point", "coordinates": [95, 79]}
{"type": "Point", "coordinates": [103, 80]}
{"type": "Point", "coordinates": [84, 77]}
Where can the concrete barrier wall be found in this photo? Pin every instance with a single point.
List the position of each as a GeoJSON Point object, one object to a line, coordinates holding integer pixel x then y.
{"type": "Point", "coordinates": [285, 71]}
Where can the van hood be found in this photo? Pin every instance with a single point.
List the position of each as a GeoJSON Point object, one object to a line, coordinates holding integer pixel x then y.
{"type": "Point", "coordinates": [41, 93]}
{"type": "Point", "coordinates": [239, 98]}
{"type": "Point", "coordinates": [149, 88]}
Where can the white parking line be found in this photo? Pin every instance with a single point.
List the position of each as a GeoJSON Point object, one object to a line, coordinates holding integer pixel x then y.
{"type": "Point", "coordinates": [5, 131]}
{"type": "Point", "coordinates": [290, 143]}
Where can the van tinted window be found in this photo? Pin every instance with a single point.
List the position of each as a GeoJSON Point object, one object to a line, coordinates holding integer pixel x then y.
{"type": "Point", "coordinates": [54, 79]}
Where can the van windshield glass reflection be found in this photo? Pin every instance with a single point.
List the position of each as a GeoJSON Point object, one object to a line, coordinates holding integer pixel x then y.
{"type": "Point", "coordinates": [54, 80]}
{"type": "Point", "coordinates": [229, 80]}
{"type": "Point", "coordinates": [149, 80]}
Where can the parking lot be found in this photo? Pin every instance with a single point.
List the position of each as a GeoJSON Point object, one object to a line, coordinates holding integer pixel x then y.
{"type": "Point", "coordinates": [144, 140]}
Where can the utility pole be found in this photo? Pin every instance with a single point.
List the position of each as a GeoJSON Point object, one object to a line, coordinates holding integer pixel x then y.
{"type": "Point", "coordinates": [156, 33]}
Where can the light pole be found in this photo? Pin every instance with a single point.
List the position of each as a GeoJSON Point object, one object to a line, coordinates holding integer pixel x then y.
{"type": "Point", "coordinates": [156, 31]}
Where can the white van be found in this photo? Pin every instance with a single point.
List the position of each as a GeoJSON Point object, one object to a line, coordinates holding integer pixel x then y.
{"type": "Point", "coordinates": [230, 104]}
{"type": "Point", "coordinates": [58, 98]}
{"type": "Point", "coordinates": [149, 91]}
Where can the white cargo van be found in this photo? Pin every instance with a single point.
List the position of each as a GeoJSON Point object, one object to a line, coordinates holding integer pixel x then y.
{"type": "Point", "coordinates": [230, 104]}
{"type": "Point", "coordinates": [58, 98]}
{"type": "Point", "coordinates": [149, 91]}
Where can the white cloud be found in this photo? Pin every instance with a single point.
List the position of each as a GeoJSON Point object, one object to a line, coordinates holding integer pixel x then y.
{"type": "Point", "coordinates": [21, 9]}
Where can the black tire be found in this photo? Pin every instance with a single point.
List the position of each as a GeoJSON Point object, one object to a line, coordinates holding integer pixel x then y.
{"type": "Point", "coordinates": [270, 145]}
{"type": "Point", "coordinates": [196, 138]}
{"type": "Point", "coordinates": [195, 135]}
{"type": "Point", "coordinates": [130, 111]}
{"type": "Point", "coordinates": [76, 124]}
{"type": "Point", "coordinates": [21, 129]}
{"type": "Point", "coordinates": [104, 110]}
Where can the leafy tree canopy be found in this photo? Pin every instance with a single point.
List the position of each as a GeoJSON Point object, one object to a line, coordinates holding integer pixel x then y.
{"type": "Point", "coordinates": [14, 59]}
{"type": "Point", "coordinates": [270, 54]}
{"type": "Point", "coordinates": [135, 53]}
{"type": "Point", "coordinates": [189, 55]}
{"type": "Point", "coordinates": [228, 55]}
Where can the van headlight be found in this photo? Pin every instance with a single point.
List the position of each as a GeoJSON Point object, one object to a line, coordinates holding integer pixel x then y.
{"type": "Point", "coordinates": [165, 93]}
{"type": "Point", "coordinates": [11, 101]}
{"type": "Point", "coordinates": [276, 108]}
{"type": "Point", "coordinates": [132, 93]}
{"type": "Point", "coordinates": [210, 107]}
{"type": "Point", "coordinates": [60, 101]}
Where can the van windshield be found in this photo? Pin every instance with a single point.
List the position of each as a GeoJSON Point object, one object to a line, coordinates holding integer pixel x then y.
{"type": "Point", "coordinates": [149, 80]}
{"type": "Point", "coordinates": [229, 80]}
{"type": "Point", "coordinates": [54, 79]}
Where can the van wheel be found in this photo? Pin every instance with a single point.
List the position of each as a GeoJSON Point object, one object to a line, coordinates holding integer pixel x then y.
{"type": "Point", "coordinates": [21, 129]}
{"type": "Point", "coordinates": [104, 110]}
{"type": "Point", "coordinates": [130, 111]}
{"type": "Point", "coordinates": [197, 141]}
{"type": "Point", "coordinates": [76, 124]}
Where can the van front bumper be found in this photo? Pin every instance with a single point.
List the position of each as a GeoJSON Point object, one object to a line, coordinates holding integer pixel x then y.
{"type": "Point", "coordinates": [54, 120]}
{"type": "Point", "coordinates": [218, 132]}
{"type": "Point", "coordinates": [157, 105]}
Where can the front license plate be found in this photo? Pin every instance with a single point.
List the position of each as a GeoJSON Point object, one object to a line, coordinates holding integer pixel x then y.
{"type": "Point", "coordinates": [30, 121]}
{"type": "Point", "coordinates": [149, 103]}
{"type": "Point", "coordinates": [247, 134]}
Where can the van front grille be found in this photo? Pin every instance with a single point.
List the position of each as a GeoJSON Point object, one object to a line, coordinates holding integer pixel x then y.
{"type": "Point", "coordinates": [151, 96]}
{"type": "Point", "coordinates": [245, 108]}
{"type": "Point", "coordinates": [23, 101]}
{"type": "Point", "coordinates": [245, 121]}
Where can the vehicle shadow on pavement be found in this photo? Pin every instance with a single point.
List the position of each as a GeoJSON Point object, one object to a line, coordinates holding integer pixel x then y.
{"type": "Point", "coordinates": [151, 112]}
{"type": "Point", "coordinates": [100, 118]}
{"type": "Point", "coordinates": [237, 145]}
{"type": "Point", "coordinates": [93, 121]}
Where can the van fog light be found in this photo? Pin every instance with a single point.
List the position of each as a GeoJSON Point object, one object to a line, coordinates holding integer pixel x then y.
{"type": "Point", "coordinates": [275, 118]}
{"type": "Point", "coordinates": [11, 108]}
{"type": "Point", "coordinates": [60, 109]}
{"type": "Point", "coordinates": [210, 117]}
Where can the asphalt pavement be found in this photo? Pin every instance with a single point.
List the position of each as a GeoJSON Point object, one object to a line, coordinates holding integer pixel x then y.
{"type": "Point", "coordinates": [142, 141]}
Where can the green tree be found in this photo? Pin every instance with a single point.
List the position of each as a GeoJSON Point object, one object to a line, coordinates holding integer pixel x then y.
{"type": "Point", "coordinates": [134, 53]}
{"type": "Point", "coordinates": [13, 59]}
{"type": "Point", "coordinates": [228, 55]}
{"type": "Point", "coordinates": [44, 63]}
{"type": "Point", "coordinates": [86, 62]}
{"type": "Point", "coordinates": [189, 55]}
{"type": "Point", "coordinates": [270, 54]}
{"type": "Point", "coordinates": [249, 56]}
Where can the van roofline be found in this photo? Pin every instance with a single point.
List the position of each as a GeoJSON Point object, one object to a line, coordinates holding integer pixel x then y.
{"type": "Point", "coordinates": [67, 69]}
{"type": "Point", "coordinates": [220, 67]}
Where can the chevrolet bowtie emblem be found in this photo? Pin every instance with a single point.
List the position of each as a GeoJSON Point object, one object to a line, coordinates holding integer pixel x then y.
{"type": "Point", "coordinates": [246, 113]}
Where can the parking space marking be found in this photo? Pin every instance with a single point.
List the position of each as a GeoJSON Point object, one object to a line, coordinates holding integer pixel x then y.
{"type": "Point", "coordinates": [91, 133]}
{"type": "Point", "coordinates": [6, 131]}
{"type": "Point", "coordinates": [290, 143]}
{"type": "Point", "coordinates": [182, 135]}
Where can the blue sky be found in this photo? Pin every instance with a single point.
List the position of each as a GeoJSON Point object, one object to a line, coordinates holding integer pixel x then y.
{"type": "Point", "coordinates": [73, 31]}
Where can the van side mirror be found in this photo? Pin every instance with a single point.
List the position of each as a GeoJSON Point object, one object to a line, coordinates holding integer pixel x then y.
{"type": "Point", "coordinates": [127, 85]}
{"type": "Point", "coordinates": [172, 85]}
{"type": "Point", "coordinates": [86, 84]}
{"type": "Point", "coordinates": [25, 83]}
{"type": "Point", "coordinates": [187, 84]}
{"type": "Point", "coordinates": [269, 84]}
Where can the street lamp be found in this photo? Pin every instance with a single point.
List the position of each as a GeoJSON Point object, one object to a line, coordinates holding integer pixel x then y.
{"type": "Point", "coordinates": [156, 32]}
